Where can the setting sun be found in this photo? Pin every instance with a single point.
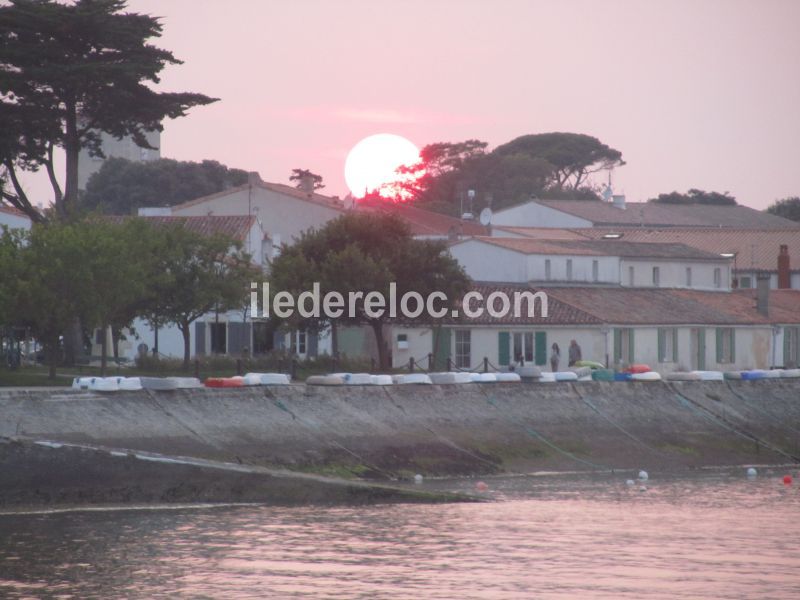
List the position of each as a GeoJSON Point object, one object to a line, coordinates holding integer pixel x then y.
{"type": "Point", "coordinates": [373, 162]}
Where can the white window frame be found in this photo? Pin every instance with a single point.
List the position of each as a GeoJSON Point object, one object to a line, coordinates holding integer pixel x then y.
{"type": "Point", "coordinates": [463, 348]}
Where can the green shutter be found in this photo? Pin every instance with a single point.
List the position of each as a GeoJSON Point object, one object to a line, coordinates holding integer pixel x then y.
{"type": "Point", "coordinates": [503, 342]}
{"type": "Point", "coordinates": [787, 346]}
{"type": "Point", "coordinates": [442, 350]}
{"type": "Point", "coordinates": [617, 345]}
{"type": "Point", "coordinates": [541, 348]}
{"type": "Point", "coordinates": [662, 346]}
{"type": "Point", "coordinates": [733, 344]}
{"type": "Point", "coordinates": [675, 345]}
{"type": "Point", "coordinates": [719, 345]}
{"type": "Point", "coordinates": [701, 349]}
{"type": "Point", "coordinates": [631, 353]}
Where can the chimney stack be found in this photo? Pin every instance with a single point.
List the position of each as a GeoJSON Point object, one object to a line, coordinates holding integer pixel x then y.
{"type": "Point", "coordinates": [784, 278]}
{"type": "Point", "coordinates": [762, 294]}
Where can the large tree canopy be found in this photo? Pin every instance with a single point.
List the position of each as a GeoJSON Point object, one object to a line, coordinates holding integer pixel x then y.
{"type": "Point", "coordinates": [555, 165]}
{"type": "Point", "coordinates": [572, 156]}
{"type": "Point", "coordinates": [122, 186]}
{"type": "Point", "coordinates": [69, 71]}
{"type": "Point", "coordinates": [365, 252]}
{"type": "Point", "coordinates": [695, 196]}
{"type": "Point", "coordinates": [788, 208]}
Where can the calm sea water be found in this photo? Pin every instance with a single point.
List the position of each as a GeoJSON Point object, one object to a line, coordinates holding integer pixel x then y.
{"type": "Point", "coordinates": [715, 536]}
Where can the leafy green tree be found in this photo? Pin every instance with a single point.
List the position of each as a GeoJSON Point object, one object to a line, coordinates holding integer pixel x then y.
{"type": "Point", "coordinates": [695, 196]}
{"type": "Point", "coordinates": [366, 252]}
{"type": "Point", "coordinates": [301, 176]}
{"type": "Point", "coordinates": [553, 165]}
{"type": "Point", "coordinates": [122, 186]}
{"type": "Point", "coordinates": [572, 156]}
{"type": "Point", "coordinates": [788, 208]}
{"type": "Point", "coordinates": [197, 274]}
{"type": "Point", "coordinates": [69, 71]}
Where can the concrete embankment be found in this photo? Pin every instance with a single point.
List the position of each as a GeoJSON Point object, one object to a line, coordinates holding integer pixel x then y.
{"type": "Point", "coordinates": [252, 436]}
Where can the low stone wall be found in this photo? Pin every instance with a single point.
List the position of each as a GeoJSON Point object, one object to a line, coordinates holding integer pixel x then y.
{"type": "Point", "coordinates": [393, 432]}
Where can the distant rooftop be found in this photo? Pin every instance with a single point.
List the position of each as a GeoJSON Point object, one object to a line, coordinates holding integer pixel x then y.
{"type": "Point", "coordinates": [236, 227]}
{"type": "Point", "coordinates": [658, 214]}
{"type": "Point", "coordinates": [427, 223]}
{"type": "Point", "coordinates": [588, 247]}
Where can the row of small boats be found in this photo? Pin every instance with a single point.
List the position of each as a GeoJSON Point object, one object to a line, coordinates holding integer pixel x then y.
{"type": "Point", "coordinates": [445, 378]}
{"type": "Point", "coordinates": [115, 384]}
{"type": "Point", "coordinates": [751, 375]}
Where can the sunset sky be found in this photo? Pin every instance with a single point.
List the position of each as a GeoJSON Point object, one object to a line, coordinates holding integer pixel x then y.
{"type": "Point", "coordinates": [695, 94]}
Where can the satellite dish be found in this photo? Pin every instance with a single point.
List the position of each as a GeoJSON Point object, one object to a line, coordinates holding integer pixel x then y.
{"type": "Point", "coordinates": [486, 217]}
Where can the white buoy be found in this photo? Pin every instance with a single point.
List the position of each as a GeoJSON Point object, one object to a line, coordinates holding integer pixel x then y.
{"type": "Point", "coordinates": [643, 488]}
{"type": "Point", "coordinates": [629, 482]}
{"type": "Point", "coordinates": [751, 472]}
{"type": "Point", "coordinates": [643, 476]}
{"type": "Point", "coordinates": [417, 478]}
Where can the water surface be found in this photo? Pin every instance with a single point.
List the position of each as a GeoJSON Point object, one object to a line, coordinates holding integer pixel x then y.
{"type": "Point", "coordinates": [715, 536]}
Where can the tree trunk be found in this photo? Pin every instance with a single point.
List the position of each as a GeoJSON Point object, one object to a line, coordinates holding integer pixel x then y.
{"type": "Point", "coordinates": [51, 351]}
{"type": "Point", "coordinates": [335, 339]}
{"type": "Point", "coordinates": [184, 327]}
{"type": "Point", "coordinates": [116, 334]}
{"type": "Point", "coordinates": [103, 349]}
{"type": "Point", "coordinates": [383, 355]}
{"type": "Point", "coordinates": [72, 149]}
{"type": "Point", "coordinates": [73, 342]}
{"type": "Point", "coordinates": [155, 341]}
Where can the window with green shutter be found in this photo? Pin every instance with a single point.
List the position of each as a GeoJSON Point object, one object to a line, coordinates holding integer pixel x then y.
{"type": "Point", "coordinates": [541, 348]}
{"type": "Point", "coordinates": [503, 343]}
{"type": "Point", "coordinates": [667, 344]}
{"type": "Point", "coordinates": [726, 345]}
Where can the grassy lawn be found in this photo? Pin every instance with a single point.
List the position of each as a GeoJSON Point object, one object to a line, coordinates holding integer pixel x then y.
{"type": "Point", "coordinates": [30, 377]}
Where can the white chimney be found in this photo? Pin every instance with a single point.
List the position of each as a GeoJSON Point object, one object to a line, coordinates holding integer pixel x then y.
{"type": "Point", "coordinates": [619, 201]}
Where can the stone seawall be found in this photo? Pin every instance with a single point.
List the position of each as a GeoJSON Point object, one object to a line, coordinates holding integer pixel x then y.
{"type": "Point", "coordinates": [390, 433]}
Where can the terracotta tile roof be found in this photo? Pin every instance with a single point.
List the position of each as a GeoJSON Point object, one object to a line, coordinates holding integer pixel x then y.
{"type": "Point", "coordinates": [639, 306]}
{"type": "Point", "coordinates": [286, 190]}
{"type": "Point", "coordinates": [544, 233]}
{"type": "Point", "coordinates": [236, 227]}
{"type": "Point", "coordinates": [784, 305]}
{"type": "Point", "coordinates": [426, 222]}
{"type": "Point", "coordinates": [559, 312]}
{"type": "Point", "coordinates": [13, 211]}
{"type": "Point", "coordinates": [756, 249]}
{"type": "Point", "coordinates": [657, 214]}
{"type": "Point", "coordinates": [585, 247]}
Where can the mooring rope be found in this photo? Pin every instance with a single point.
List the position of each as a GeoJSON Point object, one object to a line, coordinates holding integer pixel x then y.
{"type": "Point", "coordinates": [761, 410]}
{"type": "Point", "coordinates": [538, 436]}
{"type": "Point", "coordinates": [389, 475]}
{"type": "Point", "coordinates": [617, 425]}
{"type": "Point", "coordinates": [710, 416]}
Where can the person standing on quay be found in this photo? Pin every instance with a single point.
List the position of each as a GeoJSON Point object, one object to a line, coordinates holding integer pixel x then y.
{"type": "Point", "coordinates": [555, 357]}
{"type": "Point", "coordinates": [574, 353]}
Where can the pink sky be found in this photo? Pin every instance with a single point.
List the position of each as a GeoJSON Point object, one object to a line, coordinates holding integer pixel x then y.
{"type": "Point", "coordinates": [694, 93]}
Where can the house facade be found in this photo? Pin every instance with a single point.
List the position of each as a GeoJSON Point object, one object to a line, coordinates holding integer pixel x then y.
{"type": "Point", "coordinates": [667, 329]}
{"type": "Point", "coordinates": [13, 218]}
{"type": "Point", "coordinates": [591, 262]}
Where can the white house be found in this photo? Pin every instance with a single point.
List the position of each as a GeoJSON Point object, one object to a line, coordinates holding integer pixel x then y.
{"type": "Point", "coordinates": [597, 213]}
{"type": "Point", "coordinates": [13, 218]}
{"type": "Point", "coordinates": [594, 262]}
{"type": "Point", "coordinates": [668, 329]}
{"type": "Point", "coordinates": [283, 211]}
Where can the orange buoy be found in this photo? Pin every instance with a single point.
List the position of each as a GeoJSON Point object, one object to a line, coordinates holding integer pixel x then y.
{"type": "Point", "coordinates": [481, 486]}
{"type": "Point", "coordinates": [787, 479]}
